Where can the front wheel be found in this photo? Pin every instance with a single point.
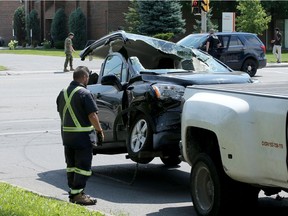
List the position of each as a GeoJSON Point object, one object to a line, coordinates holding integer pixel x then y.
{"type": "Point", "coordinates": [250, 66]}
{"type": "Point", "coordinates": [140, 139]}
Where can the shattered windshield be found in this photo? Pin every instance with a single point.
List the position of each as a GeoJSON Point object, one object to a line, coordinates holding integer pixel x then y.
{"type": "Point", "coordinates": [165, 46]}
{"type": "Point", "coordinates": [206, 63]}
{"type": "Point", "coordinates": [191, 59]}
{"type": "Point", "coordinates": [153, 54]}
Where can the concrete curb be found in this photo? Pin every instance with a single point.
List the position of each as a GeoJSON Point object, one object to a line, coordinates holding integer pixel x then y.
{"type": "Point", "coordinates": [9, 72]}
{"type": "Point", "coordinates": [269, 65]}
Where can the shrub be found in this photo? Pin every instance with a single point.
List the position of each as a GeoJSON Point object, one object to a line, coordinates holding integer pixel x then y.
{"type": "Point", "coordinates": [59, 44]}
{"type": "Point", "coordinates": [34, 24]}
{"type": "Point", "coordinates": [19, 24]}
{"type": "Point", "coordinates": [58, 27]}
{"type": "Point", "coordinates": [46, 44]}
{"type": "Point", "coordinates": [12, 44]}
{"type": "Point", "coordinates": [24, 44]}
{"type": "Point", "coordinates": [164, 36]}
{"type": "Point", "coordinates": [77, 25]}
{"type": "Point", "coordinates": [35, 43]}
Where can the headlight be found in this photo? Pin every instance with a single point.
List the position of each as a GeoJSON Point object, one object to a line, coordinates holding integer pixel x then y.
{"type": "Point", "coordinates": [168, 91]}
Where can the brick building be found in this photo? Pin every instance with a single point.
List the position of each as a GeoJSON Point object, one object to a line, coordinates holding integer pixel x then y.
{"type": "Point", "coordinates": [102, 16]}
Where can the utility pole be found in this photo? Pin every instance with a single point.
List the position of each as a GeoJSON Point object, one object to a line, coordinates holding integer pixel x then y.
{"type": "Point", "coordinates": [204, 9]}
{"type": "Point", "coordinates": [26, 20]}
{"type": "Point", "coordinates": [203, 21]}
{"type": "Point", "coordinates": [201, 7]}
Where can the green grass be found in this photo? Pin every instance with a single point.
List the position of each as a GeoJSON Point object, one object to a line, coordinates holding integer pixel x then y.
{"type": "Point", "coordinates": [15, 201]}
{"type": "Point", "coordinates": [43, 52]}
{"type": "Point", "coordinates": [2, 68]}
{"type": "Point", "coordinates": [272, 59]}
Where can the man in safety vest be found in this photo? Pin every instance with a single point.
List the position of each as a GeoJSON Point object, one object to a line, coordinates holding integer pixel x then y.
{"type": "Point", "coordinates": [79, 120]}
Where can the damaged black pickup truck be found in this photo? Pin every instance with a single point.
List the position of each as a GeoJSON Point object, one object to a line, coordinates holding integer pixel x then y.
{"type": "Point", "coordinates": [139, 92]}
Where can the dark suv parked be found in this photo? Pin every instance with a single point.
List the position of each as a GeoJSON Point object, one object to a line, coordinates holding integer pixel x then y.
{"type": "Point", "coordinates": [139, 92]}
{"type": "Point", "coordinates": [240, 50]}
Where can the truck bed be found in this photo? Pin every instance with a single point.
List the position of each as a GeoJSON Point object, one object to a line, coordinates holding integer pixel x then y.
{"type": "Point", "coordinates": [273, 89]}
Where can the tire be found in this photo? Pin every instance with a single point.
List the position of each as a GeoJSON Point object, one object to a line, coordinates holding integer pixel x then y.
{"type": "Point", "coordinates": [205, 187]}
{"type": "Point", "coordinates": [250, 66]}
{"type": "Point", "coordinates": [171, 160]}
{"type": "Point", "coordinates": [140, 139]}
{"type": "Point", "coordinates": [213, 193]}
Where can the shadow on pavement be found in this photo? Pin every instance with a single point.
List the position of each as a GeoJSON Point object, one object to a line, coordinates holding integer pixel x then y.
{"type": "Point", "coordinates": [127, 183]}
{"type": "Point", "coordinates": [152, 184]}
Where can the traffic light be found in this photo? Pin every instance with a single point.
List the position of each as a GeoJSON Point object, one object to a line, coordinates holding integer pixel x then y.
{"type": "Point", "coordinates": [195, 6]}
{"type": "Point", "coordinates": [205, 5]}
{"type": "Point", "coordinates": [194, 3]}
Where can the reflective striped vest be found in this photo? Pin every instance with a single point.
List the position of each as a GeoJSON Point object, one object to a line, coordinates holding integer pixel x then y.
{"type": "Point", "coordinates": [78, 127]}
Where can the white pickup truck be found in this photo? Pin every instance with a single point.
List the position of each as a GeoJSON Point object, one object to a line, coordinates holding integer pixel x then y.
{"type": "Point", "coordinates": [235, 139]}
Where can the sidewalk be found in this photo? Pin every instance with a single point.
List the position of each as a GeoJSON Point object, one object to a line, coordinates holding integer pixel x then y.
{"type": "Point", "coordinates": [284, 64]}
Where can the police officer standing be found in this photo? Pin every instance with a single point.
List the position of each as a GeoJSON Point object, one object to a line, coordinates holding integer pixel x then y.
{"type": "Point", "coordinates": [212, 44]}
{"type": "Point", "coordinates": [79, 120]}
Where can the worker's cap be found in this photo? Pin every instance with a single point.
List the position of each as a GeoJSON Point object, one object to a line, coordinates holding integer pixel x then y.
{"type": "Point", "coordinates": [71, 34]}
{"type": "Point", "coordinates": [276, 29]}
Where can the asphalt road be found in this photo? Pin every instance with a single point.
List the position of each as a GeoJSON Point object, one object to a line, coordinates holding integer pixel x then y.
{"type": "Point", "coordinates": [17, 64]}
{"type": "Point", "coordinates": [31, 153]}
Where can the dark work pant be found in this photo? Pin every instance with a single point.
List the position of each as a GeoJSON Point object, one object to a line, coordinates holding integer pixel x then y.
{"type": "Point", "coordinates": [69, 59]}
{"type": "Point", "coordinates": [78, 167]}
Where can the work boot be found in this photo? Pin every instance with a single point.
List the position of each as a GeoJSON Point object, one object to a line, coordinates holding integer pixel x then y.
{"type": "Point", "coordinates": [71, 69]}
{"type": "Point", "coordinates": [83, 199]}
{"type": "Point", "coordinates": [66, 70]}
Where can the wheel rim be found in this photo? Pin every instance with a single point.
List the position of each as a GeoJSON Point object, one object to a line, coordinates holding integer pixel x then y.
{"type": "Point", "coordinates": [139, 135]}
{"type": "Point", "coordinates": [250, 67]}
{"type": "Point", "coordinates": [204, 188]}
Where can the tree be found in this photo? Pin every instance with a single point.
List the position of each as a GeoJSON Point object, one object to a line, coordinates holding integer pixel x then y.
{"type": "Point", "coordinates": [34, 24]}
{"type": "Point", "coordinates": [19, 24]}
{"type": "Point", "coordinates": [252, 18]}
{"type": "Point", "coordinates": [276, 8]}
{"type": "Point", "coordinates": [59, 28]}
{"type": "Point", "coordinates": [132, 18]}
{"type": "Point", "coordinates": [160, 17]}
{"type": "Point", "coordinates": [210, 24]}
{"type": "Point", "coordinates": [77, 25]}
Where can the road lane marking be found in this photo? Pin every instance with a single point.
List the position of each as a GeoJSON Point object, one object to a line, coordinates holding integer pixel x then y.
{"type": "Point", "coordinates": [28, 132]}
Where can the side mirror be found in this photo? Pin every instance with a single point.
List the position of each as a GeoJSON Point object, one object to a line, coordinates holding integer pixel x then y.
{"type": "Point", "coordinates": [111, 80]}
